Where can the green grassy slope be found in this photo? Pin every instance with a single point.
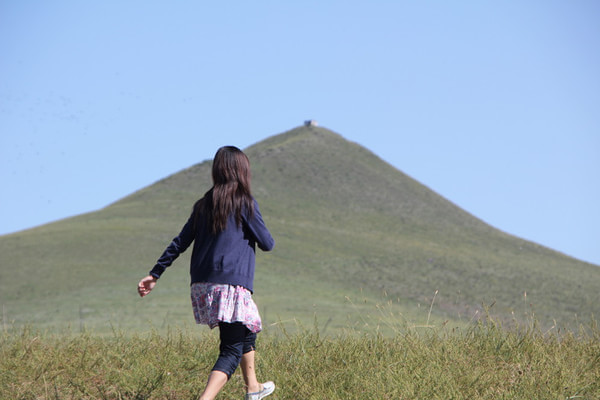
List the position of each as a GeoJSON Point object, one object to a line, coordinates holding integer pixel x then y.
{"type": "Point", "coordinates": [351, 231]}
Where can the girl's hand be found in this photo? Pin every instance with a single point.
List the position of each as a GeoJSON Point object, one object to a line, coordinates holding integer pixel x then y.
{"type": "Point", "coordinates": [146, 285]}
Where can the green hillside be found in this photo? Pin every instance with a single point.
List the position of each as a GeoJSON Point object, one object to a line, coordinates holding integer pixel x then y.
{"type": "Point", "coordinates": [357, 243]}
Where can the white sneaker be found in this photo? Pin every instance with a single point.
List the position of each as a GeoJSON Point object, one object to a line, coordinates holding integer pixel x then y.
{"type": "Point", "coordinates": [268, 388]}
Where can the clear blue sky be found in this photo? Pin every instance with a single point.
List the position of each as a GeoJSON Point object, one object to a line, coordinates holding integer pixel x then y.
{"type": "Point", "coordinates": [493, 105]}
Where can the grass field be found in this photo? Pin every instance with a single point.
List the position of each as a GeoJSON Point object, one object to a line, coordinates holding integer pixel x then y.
{"type": "Point", "coordinates": [479, 361]}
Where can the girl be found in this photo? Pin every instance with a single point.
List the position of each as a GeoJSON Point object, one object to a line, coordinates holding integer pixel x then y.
{"type": "Point", "coordinates": [225, 226]}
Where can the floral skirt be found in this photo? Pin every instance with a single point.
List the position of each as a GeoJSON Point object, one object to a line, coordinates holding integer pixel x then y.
{"type": "Point", "coordinates": [215, 302]}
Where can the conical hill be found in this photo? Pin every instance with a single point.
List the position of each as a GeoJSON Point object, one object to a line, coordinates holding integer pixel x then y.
{"type": "Point", "coordinates": [352, 234]}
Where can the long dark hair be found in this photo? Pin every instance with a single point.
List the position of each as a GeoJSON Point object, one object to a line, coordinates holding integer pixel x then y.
{"type": "Point", "coordinates": [230, 193]}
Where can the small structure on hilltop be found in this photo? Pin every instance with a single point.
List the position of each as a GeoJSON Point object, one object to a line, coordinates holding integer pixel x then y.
{"type": "Point", "coordinates": [311, 122]}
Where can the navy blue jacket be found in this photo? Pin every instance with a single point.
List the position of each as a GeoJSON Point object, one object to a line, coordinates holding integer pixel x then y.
{"type": "Point", "coordinates": [227, 257]}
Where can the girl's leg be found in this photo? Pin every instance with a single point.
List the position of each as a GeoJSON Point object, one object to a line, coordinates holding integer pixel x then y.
{"type": "Point", "coordinates": [216, 381]}
{"type": "Point", "coordinates": [249, 373]}
{"type": "Point", "coordinates": [231, 349]}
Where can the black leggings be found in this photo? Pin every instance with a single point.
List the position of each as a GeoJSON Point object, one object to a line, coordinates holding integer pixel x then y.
{"type": "Point", "coordinates": [236, 340]}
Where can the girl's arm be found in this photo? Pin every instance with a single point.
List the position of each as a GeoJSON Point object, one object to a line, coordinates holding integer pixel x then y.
{"type": "Point", "coordinates": [177, 246]}
{"type": "Point", "coordinates": [259, 230]}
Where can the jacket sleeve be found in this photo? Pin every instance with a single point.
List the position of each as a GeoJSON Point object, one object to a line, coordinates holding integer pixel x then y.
{"type": "Point", "coordinates": [177, 246]}
{"type": "Point", "coordinates": [259, 230]}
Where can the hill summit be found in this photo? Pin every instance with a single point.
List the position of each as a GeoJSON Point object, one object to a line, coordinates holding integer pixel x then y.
{"type": "Point", "coordinates": [347, 226]}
